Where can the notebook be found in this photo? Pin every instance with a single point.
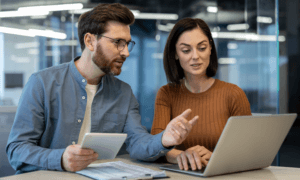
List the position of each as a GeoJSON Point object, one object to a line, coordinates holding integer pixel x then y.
{"type": "Point", "coordinates": [107, 145]}
{"type": "Point", "coordinates": [119, 170]}
{"type": "Point", "coordinates": [246, 143]}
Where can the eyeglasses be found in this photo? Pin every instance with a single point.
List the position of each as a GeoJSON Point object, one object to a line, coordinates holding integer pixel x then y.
{"type": "Point", "coordinates": [121, 43]}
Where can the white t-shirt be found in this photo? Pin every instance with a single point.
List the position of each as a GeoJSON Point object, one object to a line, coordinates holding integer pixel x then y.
{"type": "Point", "coordinates": [86, 124]}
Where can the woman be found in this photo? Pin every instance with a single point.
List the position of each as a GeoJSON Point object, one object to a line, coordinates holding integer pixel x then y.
{"type": "Point", "coordinates": [190, 62]}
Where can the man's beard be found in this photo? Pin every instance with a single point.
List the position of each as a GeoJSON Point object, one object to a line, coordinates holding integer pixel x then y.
{"type": "Point", "coordinates": [101, 60]}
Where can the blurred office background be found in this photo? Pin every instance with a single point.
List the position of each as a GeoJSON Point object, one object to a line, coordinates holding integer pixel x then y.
{"type": "Point", "coordinates": [257, 44]}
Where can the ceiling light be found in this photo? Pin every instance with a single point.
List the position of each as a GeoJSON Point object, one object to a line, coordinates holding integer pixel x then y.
{"type": "Point", "coordinates": [163, 28]}
{"type": "Point", "coordinates": [235, 27]}
{"type": "Point", "coordinates": [24, 45]}
{"type": "Point", "coordinates": [79, 11]}
{"type": "Point", "coordinates": [15, 31]}
{"type": "Point", "coordinates": [262, 19]}
{"type": "Point", "coordinates": [48, 33]}
{"type": "Point", "coordinates": [33, 32]}
{"type": "Point", "coordinates": [232, 46]}
{"type": "Point", "coordinates": [137, 14]}
{"type": "Point", "coordinates": [157, 55]}
{"type": "Point", "coordinates": [33, 51]}
{"type": "Point", "coordinates": [18, 59]}
{"type": "Point", "coordinates": [39, 17]}
{"type": "Point", "coordinates": [62, 43]}
{"type": "Point", "coordinates": [212, 9]}
{"type": "Point", "coordinates": [61, 7]}
{"type": "Point", "coordinates": [170, 25]}
{"type": "Point", "coordinates": [281, 38]}
{"type": "Point", "coordinates": [226, 60]}
{"type": "Point", "coordinates": [5, 14]}
{"type": "Point", "coordinates": [157, 16]}
{"type": "Point", "coordinates": [157, 37]}
{"type": "Point", "coordinates": [216, 28]}
{"type": "Point", "coordinates": [246, 36]}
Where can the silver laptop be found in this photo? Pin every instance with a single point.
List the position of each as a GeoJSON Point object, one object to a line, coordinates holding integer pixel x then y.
{"type": "Point", "coordinates": [246, 143]}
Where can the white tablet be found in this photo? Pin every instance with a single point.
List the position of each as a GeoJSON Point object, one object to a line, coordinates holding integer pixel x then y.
{"type": "Point", "coordinates": [107, 145]}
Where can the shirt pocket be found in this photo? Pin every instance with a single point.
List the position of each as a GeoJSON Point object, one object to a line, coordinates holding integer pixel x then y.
{"type": "Point", "coordinates": [113, 123]}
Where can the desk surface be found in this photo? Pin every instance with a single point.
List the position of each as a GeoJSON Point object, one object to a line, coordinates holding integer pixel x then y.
{"type": "Point", "coordinates": [270, 173]}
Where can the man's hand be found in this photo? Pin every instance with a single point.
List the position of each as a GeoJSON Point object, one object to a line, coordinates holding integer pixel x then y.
{"type": "Point", "coordinates": [75, 158]}
{"type": "Point", "coordinates": [196, 156]}
{"type": "Point", "coordinates": [178, 129]}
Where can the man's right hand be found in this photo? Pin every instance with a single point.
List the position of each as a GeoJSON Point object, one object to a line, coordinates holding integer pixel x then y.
{"type": "Point", "coordinates": [178, 129]}
{"type": "Point", "coordinates": [75, 158]}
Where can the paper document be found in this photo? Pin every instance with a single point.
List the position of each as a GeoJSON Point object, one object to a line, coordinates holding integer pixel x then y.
{"type": "Point", "coordinates": [119, 170]}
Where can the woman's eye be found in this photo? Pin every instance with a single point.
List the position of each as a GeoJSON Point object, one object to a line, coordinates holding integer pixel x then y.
{"type": "Point", "coordinates": [185, 51]}
{"type": "Point", "coordinates": [202, 49]}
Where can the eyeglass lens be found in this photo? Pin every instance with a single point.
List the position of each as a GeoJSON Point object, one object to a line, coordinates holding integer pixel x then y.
{"type": "Point", "coordinates": [122, 44]}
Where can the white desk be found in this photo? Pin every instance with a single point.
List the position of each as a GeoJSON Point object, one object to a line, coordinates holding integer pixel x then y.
{"type": "Point", "coordinates": [270, 173]}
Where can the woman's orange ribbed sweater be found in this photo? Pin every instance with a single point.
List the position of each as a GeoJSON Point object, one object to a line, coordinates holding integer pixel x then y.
{"type": "Point", "coordinates": [213, 107]}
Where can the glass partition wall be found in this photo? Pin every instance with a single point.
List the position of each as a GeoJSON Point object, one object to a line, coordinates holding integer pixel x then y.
{"type": "Point", "coordinates": [245, 33]}
{"type": "Point", "coordinates": [248, 53]}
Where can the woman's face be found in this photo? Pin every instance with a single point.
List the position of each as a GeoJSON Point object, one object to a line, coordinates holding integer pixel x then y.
{"type": "Point", "coordinates": [193, 52]}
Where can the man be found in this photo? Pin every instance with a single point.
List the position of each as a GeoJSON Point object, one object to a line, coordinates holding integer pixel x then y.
{"type": "Point", "coordinates": [60, 104]}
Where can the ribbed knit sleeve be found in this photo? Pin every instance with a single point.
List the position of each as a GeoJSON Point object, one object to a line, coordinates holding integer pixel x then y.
{"type": "Point", "coordinates": [238, 102]}
{"type": "Point", "coordinates": [213, 107]}
{"type": "Point", "coordinates": [162, 113]}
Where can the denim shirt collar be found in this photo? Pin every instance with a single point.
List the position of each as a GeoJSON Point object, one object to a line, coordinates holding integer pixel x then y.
{"type": "Point", "coordinates": [80, 79]}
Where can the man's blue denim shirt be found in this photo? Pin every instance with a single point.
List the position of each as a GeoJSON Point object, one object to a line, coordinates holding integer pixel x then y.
{"type": "Point", "coordinates": [51, 110]}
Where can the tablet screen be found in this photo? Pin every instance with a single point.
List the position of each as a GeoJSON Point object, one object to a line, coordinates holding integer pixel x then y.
{"type": "Point", "coordinates": [107, 145]}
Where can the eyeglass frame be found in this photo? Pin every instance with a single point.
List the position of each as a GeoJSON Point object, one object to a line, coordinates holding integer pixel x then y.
{"type": "Point", "coordinates": [117, 41]}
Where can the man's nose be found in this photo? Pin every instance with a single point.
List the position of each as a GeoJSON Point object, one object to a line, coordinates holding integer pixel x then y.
{"type": "Point", "coordinates": [125, 51]}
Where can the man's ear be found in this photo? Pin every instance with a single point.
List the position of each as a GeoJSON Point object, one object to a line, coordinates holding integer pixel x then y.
{"type": "Point", "coordinates": [90, 41]}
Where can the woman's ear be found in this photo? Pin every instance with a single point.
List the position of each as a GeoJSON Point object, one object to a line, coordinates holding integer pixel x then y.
{"type": "Point", "coordinates": [176, 56]}
{"type": "Point", "coordinates": [89, 41]}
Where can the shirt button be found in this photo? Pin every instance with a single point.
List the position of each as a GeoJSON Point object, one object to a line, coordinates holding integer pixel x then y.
{"type": "Point", "coordinates": [73, 142]}
{"type": "Point", "coordinates": [83, 97]}
{"type": "Point", "coordinates": [79, 120]}
{"type": "Point", "coordinates": [162, 152]}
{"type": "Point", "coordinates": [83, 80]}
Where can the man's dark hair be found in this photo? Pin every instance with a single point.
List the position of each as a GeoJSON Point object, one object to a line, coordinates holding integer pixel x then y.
{"type": "Point", "coordinates": [95, 20]}
{"type": "Point", "coordinates": [173, 69]}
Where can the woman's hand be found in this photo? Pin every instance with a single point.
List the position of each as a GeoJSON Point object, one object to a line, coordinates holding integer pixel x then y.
{"type": "Point", "coordinates": [171, 156]}
{"type": "Point", "coordinates": [197, 157]}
